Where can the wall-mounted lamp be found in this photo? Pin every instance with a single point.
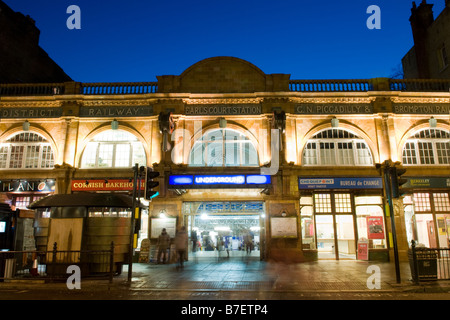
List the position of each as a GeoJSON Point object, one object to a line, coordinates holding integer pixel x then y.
{"type": "Point", "coordinates": [162, 214]}
{"type": "Point", "coordinates": [26, 126]}
{"type": "Point", "coordinates": [223, 123]}
{"type": "Point", "coordinates": [283, 214]}
{"type": "Point", "coordinates": [432, 122]}
{"type": "Point", "coordinates": [335, 122]}
{"type": "Point", "coordinates": [115, 124]}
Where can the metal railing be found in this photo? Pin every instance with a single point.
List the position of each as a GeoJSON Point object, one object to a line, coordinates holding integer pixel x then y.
{"type": "Point", "coordinates": [330, 85]}
{"type": "Point", "coordinates": [44, 89]}
{"type": "Point", "coordinates": [128, 88]}
{"type": "Point", "coordinates": [420, 85]}
{"type": "Point", "coordinates": [119, 88]}
{"type": "Point", "coordinates": [53, 265]}
{"type": "Point", "coordinates": [429, 264]}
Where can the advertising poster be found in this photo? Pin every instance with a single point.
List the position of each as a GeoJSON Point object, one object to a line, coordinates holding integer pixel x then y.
{"type": "Point", "coordinates": [283, 227]}
{"type": "Point", "coordinates": [363, 250]}
{"type": "Point", "coordinates": [170, 224]}
{"type": "Point", "coordinates": [375, 228]}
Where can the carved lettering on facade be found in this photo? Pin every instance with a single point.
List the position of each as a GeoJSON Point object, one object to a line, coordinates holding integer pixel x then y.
{"type": "Point", "coordinates": [333, 109]}
{"type": "Point", "coordinates": [128, 111]}
{"type": "Point", "coordinates": [422, 108]}
{"type": "Point", "coordinates": [27, 113]}
{"type": "Point", "coordinates": [222, 109]}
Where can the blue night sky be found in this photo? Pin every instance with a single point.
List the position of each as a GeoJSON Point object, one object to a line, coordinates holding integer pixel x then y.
{"type": "Point", "coordinates": [137, 40]}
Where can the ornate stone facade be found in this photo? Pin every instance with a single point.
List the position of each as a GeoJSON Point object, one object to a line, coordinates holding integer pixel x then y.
{"type": "Point", "coordinates": [379, 120]}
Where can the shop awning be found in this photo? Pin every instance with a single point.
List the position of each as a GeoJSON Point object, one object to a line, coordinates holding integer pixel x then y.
{"type": "Point", "coordinates": [85, 200]}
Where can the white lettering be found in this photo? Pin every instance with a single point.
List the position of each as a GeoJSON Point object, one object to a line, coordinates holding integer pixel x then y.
{"type": "Point", "coordinates": [74, 21]}
{"type": "Point", "coordinates": [374, 21]}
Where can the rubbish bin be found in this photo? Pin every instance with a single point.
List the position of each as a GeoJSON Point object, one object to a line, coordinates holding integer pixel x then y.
{"type": "Point", "coordinates": [424, 267]}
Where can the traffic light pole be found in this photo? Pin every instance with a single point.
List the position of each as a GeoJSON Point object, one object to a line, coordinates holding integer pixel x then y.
{"type": "Point", "coordinates": [132, 222]}
{"type": "Point", "coordinates": [388, 188]}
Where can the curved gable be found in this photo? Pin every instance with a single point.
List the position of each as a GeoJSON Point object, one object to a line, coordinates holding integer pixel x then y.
{"type": "Point", "coordinates": [223, 75]}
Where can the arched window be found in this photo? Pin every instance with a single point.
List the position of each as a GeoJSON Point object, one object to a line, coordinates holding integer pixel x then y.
{"type": "Point", "coordinates": [336, 147]}
{"type": "Point", "coordinates": [428, 146]}
{"type": "Point", "coordinates": [223, 148]}
{"type": "Point", "coordinates": [26, 150]}
{"type": "Point", "coordinates": [113, 149]}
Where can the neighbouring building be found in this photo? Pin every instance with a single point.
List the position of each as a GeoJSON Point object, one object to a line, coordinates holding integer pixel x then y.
{"type": "Point", "coordinates": [290, 163]}
{"type": "Point", "coordinates": [429, 57]}
{"type": "Point", "coordinates": [22, 60]}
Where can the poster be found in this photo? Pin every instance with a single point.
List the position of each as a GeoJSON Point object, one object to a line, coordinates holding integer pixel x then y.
{"type": "Point", "coordinates": [170, 224]}
{"type": "Point", "coordinates": [363, 250]}
{"type": "Point", "coordinates": [283, 227]}
{"type": "Point", "coordinates": [375, 227]}
{"type": "Point", "coordinates": [441, 226]}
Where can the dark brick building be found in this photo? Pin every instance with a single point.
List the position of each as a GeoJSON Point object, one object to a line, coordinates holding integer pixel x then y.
{"type": "Point", "coordinates": [22, 60]}
{"type": "Point", "coordinates": [429, 58]}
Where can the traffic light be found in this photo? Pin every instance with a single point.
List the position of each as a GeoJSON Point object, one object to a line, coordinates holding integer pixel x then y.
{"type": "Point", "coordinates": [150, 184]}
{"type": "Point", "coordinates": [397, 181]}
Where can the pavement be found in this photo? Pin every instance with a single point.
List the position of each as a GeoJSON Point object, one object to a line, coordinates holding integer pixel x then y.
{"type": "Point", "coordinates": [241, 277]}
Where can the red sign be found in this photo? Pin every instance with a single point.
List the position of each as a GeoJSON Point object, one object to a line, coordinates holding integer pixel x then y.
{"type": "Point", "coordinates": [104, 185]}
{"type": "Point", "coordinates": [363, 251]}
{"type": "Point", "coordinates": [375, 228]}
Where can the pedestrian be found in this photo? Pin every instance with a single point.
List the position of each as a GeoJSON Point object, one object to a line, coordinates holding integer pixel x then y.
{"type": "Point", "coordinates": [227, 247]}
{"type": "Point", "coordinates": [181, 242]}
{"type": "Point", "coordinates": [163, 245]}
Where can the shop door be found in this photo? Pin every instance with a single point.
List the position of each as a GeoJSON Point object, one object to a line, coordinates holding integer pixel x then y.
{"type": "Point", "coordinates": [326, 243]}
{"type": "Point", "coordinates": [335, 237]}
{"type": "Point", "coordinates": [345, 234]}
{"type": "Point", "coordinates": [431, 234]}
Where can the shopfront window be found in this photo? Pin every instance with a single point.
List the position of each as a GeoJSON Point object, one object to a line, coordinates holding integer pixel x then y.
{"type": "Point", "coordinates": [370, 221]}
{"type": "Point", "coordinates": [333, 223]}
{"type": "Point", "coordinates": [113, 149]}
{"type": "Point", "coordinates": [223, 148]}
{"type": "Point", "coordinates": [307, 222]}
{"type": "Point", "coordinates": [429, 146]}
{"type": "Point", "coordinates": [26, 150]}
{"type": "Point", "coordinates": [429, 217]}
{"type": "Point", "coordinates": [102, 212]}
{"type": "Point", "coordinates": [337, 147]}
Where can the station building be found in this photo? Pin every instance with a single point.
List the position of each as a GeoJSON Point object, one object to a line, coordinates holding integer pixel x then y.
{"type": "Point", "coordinates": [290, 163]}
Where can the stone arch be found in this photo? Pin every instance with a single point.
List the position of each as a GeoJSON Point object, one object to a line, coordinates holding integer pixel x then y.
{"type": "Point", "coordinates": [34, 129]}
{"type": "Point", "coordinates": [413, 130]}
{"type": "Point", "coordinates": [346, 126]}
{"type": "Point", "coordinates": [105, 127]}
{"type": "Point", "coordinates": [200, 133]}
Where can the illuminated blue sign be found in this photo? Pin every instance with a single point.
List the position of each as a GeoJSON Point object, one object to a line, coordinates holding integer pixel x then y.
{"type": "Point", "coordinates": [218, 181]}
{"type": "Point", "coordinates": [211, 180]}
{"type": "Point", "coordinates": [258, 179]}
{"type": "Point", "coordinates": [181, 180]}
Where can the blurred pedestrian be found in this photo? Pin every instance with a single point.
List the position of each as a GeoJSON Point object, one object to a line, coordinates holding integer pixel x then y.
{"type": "Point", "coordinates": [163, 245]}
{"type": "Point", "coordinates": [181, 243]}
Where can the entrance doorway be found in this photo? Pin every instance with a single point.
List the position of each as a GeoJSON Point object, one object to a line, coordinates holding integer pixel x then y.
{"type": "Point", "coordinates": [335, 237]}
{"type": "Point", "coordinates": [225, 229]}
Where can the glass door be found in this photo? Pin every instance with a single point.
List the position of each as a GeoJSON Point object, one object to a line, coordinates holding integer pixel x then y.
{"type": "Point", "coordinates": [345, 234]}
{"type": "Point", "coordinates": [325, 237]}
